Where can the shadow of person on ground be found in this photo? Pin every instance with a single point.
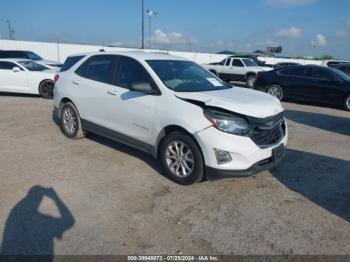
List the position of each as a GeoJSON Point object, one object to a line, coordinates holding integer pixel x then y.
{"type": "Point", "coordinates": [29, 232]}
{"type": "Point", "coordinates": [321, 179]}
{"type": "Point", "coordinates": [335, 124]}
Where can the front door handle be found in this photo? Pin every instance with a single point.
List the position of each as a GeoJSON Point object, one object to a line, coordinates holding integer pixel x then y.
{"type": "Point", "coordinates": [112, 92]}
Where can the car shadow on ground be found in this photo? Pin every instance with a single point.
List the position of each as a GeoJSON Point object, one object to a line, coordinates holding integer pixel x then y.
{"type": "Point", "coordinates": [145, 157]}
{"type": "Point", "coordinates": [335, 124]}
{"type": "Point", "coordinates": [30, 232]}
{"type": "Point", "coordinates": [18, 95]}
{"type": "Point", "coordinates": [323, 180]}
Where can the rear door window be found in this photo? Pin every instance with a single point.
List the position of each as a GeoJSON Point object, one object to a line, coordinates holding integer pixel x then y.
{"type": "Point", "coordinates": [237, 62]}
{"type": "Point", "coordinates": [300, 72]}
{"type": "Point", "coordinates": [98, 68]}
{"type": "Point", "coordinates": [321, 74]}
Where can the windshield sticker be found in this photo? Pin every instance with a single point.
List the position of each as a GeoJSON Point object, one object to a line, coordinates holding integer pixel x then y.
{"type": "Point", "coordinates": [214, 81]}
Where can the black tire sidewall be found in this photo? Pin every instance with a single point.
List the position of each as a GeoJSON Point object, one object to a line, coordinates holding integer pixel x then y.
{"type": "Point", "coordinates": [75, 112]}
{"type": "Point", "coordinates": [197, 173]}
{"type": "Point", "coordinates": [43, 95]}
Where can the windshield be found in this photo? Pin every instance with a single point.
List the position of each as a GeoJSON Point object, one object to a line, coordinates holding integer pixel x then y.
{"type": "Point", "coordinates": [249, 62]}
{"type": "Point", "coordinates": [340, 73]}
{"type": "Point", "coordinates": [33, 56]}
{"type": "Point", "coordinates": [186, 76]}
{"type": "Point", "coordinates": [32, 66]}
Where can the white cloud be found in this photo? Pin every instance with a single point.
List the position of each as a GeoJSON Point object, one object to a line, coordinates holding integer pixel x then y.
{"type": "Point", "coordinates": [319, 41]}
{"type": "Point", "coordinates": [341, 33]}
{"type": "Point", "coordinates": [289, 3]}
{"type": "Point", "coordinates": [344, 32]}
{"type": "Point", "coordinates": [292, 32]}
{"type": "Point", "coordinates": [163, 38]}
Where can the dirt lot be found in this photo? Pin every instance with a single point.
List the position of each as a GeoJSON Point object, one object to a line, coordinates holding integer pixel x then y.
{"type": "Point", "coordinates": [114, 199]}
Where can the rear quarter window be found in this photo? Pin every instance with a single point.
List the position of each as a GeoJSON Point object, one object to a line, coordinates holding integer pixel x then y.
{"type": "Point", "coordinates": [70, 61]}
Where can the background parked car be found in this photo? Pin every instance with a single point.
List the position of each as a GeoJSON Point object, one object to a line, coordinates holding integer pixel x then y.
{"type": "Point", "coordinates": [344, 67]}
{"type": "Point", "coordinates": [237, 69]}
{"type": "Point", "coordinates": [284, 64]}
{"type": "Point", "coordinates": [325, 85]}
{"type": "Point", "coordinates": [332, 63]}
{"type": "Point", "coordinates": [26, 76]}
{"type": "Point", "coordinates": [28, 55]}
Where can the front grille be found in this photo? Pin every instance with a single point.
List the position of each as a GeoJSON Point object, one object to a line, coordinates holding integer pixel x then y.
{"type": "Point", "coordinates": [267, 132]}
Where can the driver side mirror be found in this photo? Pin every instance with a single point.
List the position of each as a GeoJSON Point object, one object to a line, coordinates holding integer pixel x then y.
{"type": "Point", "coordinates": [16, 69]}
{"type": "Point", "coordinates": [143, 87]}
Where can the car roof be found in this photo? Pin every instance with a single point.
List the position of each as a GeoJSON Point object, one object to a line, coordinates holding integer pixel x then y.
{"type": "Point", "coordinates": [16, 51]}
{"type": "Point", "coordinates": [305, 66]}
{"type": "Point", "coordinates": [143, 55]}
{"type": "Point", "coordinates": [14, 60]}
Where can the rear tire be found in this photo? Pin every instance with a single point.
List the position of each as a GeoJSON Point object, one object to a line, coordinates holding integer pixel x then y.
{"type": "Point", "coordinates": [70, 123]}
{"type": "Point", "coordinates": [46, 89]}
{"type": "Point", "coordinates": [181, 158]}
{"type": "Point", "coordinates": [347, 103]}
{"type": "Point", "coordinates": [250, 82]}
{"type": "Point", "coordinates": [276, 91]}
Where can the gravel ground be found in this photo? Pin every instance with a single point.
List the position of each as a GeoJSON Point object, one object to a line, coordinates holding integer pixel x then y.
{"type": "Point", "coordinates": [114, 199]}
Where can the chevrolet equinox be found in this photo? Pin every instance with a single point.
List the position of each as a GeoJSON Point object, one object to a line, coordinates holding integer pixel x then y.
{"type": "Point", "coordinates": [194, 123]}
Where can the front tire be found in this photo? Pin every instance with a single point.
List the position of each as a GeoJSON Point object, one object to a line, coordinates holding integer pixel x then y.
{"type": "Point", "coordinates": [46, 89]}
{"type": "Point", "coordinates": [250, 82]}
{"type": "Point", "coordinates": [181, 158]}
{"type": "Point", "coordinates": [347, 103]}
{"type": "Point", "coordinates": [276, 91]}
{"type": "Point", "coordinates": [70, 123]}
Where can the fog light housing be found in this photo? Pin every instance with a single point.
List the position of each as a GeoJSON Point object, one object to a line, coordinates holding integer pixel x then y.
{"type": "Point", "coordinates": [222, 157]}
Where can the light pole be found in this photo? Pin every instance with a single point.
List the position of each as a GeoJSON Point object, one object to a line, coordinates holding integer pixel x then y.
{"type": "Point", "coordinates": [143, 27]}
{"type": "Point", "coordinates": [151, 13]}
{"type": "Point", "coordinates": [10, 29]}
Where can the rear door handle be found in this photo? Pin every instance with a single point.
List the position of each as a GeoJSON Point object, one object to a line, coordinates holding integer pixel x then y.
{"type": "Point", "coordinates": [112, 92]}
{"type": "Point", "coordinates": [76, 82]}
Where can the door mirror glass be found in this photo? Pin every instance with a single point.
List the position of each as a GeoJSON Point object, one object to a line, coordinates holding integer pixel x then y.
{"type": "Point", "coordinates": [16, 69]}
{"type": "Point", "coordinates": [143, 87]}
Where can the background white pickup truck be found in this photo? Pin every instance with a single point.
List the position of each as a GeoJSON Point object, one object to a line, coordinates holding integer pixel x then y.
{"type": "Point", "coordinates": [237, 69]}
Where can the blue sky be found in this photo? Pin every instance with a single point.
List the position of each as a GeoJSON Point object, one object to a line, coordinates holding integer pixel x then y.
{"type": "Point", "coordinates": [302, 27]}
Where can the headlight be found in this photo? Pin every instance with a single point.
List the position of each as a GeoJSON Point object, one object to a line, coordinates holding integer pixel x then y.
{"type": "Point", "coordinates": [226, 122]}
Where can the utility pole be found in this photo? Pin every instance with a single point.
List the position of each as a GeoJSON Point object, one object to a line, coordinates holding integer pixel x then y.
{"type": "Point", "coordinates": [151, 13]}
{"type": "Point", "coordinates": [10, 29]}
{"type": "Point", "coordinates": [143, 26]}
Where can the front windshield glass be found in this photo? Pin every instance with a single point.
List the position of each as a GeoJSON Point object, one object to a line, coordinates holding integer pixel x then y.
{"type": "Point", "coordinates": [32, 66]}
{"type": "Point", "coordinates": [33, 56]}
{"type": "Point", "coordinates": [186, 76]}
{"type": "Point", "coordinates": [340, 73]}
{"type": "Point", "coordinates": [249, 62]}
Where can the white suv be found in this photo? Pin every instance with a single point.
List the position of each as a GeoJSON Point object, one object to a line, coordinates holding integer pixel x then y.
{"type": "Point", "coordinates": [197, 125]}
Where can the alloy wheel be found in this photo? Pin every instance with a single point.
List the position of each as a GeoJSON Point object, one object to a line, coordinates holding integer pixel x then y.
{"type": "Point", "coordinates": [276, 91]}
{"type": "Point", "coordinates": [251, 82]}
{"type": "Point", "coordinates": [69, 121]}
{"type": "Point", "coordinates": [179, 159]}
{"type": "Point", "coordinates": [347, 103]}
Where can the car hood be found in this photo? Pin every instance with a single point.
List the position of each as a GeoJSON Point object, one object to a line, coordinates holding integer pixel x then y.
{"type": "Point", "coordinates": [242, 101]}
{"type": "Point", "coordinates": [49, 62]}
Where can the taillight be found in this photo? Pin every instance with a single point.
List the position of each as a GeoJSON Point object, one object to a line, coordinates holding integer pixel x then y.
{"type": "Point", "coordinates": [56, 77]}
{"type": "Point", "coordinates": [257, 76]}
